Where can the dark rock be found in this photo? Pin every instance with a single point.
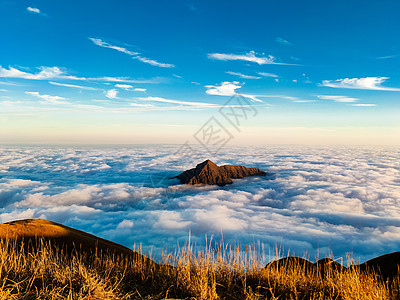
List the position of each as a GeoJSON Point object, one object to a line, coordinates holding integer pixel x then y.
{"type": "Point", "coordinates": [209, 173]}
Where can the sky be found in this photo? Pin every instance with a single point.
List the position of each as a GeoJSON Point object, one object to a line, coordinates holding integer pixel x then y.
{"type": "Point", "coordinates": [137, 72]}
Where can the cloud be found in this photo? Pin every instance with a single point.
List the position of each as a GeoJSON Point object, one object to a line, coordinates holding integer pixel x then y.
{"type": "Point", "coordinates": [264, 74]}
{"type": "Point", "coordinates": [48, 98]}
{"type": "Point", "coordinates": [367, 83]}
{"type": "Point", "coordinates": [227, 88]}
{"type": "Point", "coordinates": [135, 55]}
{"type": "Point", "coordinates": [316, 200]}
{"type": "Point", "coordinates": [250, 57]}
{"type": "Point", "coordinates": [364, 104]}
{"type": "Point", "coordinates": [112, 94]}
{"type": "Point", "coordinates": [243, 75]}
{"type": "Point", "coordinates": [153, 62]}
{"type": "Point", "coordinates": [33, 10]}
{"type": "Point", "coordinates": [124, 86]}
{"type": "Point", "coordinates": [388, 56]}
{"type": "Point", "coordinates": [57, 73]}
{"type": "Point", "coordinates": [338, 98]}
{"type": "Point", "coordinates": [283, 41]}
{"type": "Point", "coordinates": [45, 73]}
{"type": "Point", "coordinates": [125, 224]}
{"type": "Point", "coordinates": [73, 86]}
{"type": "Point", "coordinates": [140, 90]}
{"type": "Point", "coordinates": [159, 99]}
{"type": "Point", "coordinates": [103, 44]}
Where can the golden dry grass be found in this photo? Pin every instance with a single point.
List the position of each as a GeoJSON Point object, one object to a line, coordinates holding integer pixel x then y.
{"type": "Point", "coordinates": [50, 273]}
{"type": "Point", "coordinates": [47, 271]}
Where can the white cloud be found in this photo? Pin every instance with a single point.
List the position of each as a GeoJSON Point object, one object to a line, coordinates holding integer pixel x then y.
{"type": "Point", "coordinates": [124, 86]}
{"type": "Point", "coordinates": [227, 88]}
{"type": "Point", "coordinates": [103, 44]}
{"type": "Point", "coordinates": [45, 73]}
{"type": "Point", "coordinates": [159, 99]}
{"type": "Point", "coordinates": [264, 74]}
{"type": "Point", "coordinates": [250, 57]}
{"type": "Point", "coordinates": [364, 104]}
{"type": "Point", "coordinates": [112, 94]}
{"type": "Point", "coordinates": [243, 75]}
{"type": "Point", "coordinates": [367, 83]}
{"type": "Point", "coordinates": [337, 98]}
{"type": "Point", "coordinates": [153, 62]}
{"type": "Point", "coordinates": [48, 98]}
{"type": "Point", "coordinates": [73, 86]}
{"type": "Point", "coordinates": [124, 79]}
{"type": "Point", "coordinates": [283, 41]}
{"type": "Point", "coordinates": [135, 55]}
{"type": "Point", "coordinates": [33, 10]}
{"type": "Point", "coordinates": [140, 90]}
{"type": "Point", "coordinates": [318, 199]}
{"type": "Point", "coordinates": [56, 73]}
{"type": "Point", "coordinates": [125, 224]}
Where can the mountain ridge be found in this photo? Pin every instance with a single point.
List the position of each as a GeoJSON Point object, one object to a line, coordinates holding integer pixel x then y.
{"type": "Point", "coordinates": [209, 173]}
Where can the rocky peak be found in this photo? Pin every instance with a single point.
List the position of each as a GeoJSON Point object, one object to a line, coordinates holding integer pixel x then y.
{"type": "Point", "coordinates": [208, 172]}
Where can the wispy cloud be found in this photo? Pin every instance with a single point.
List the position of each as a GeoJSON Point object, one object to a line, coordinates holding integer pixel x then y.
{"type": "Point", "coordinates": [387, 56]}
{"type": "Point", "coordinates": [48, 99]}
{"type": "Point", "coordinates": [283, 41]}
{"type": "Point", "coordinates": [243, 75]}
{"type": "Point", "coordinates": [33, 10]}
{"type": "Point", "coordinates": [337, 98]}
{"type": "Point", "coordinates": [367, 83]}
{"type": "Point", "coordinates": [45, 73]}
{"type": "Point", "coordinates": [250, 57]}
{"type": "Point", "coordinates": [264, 74]}
{"type": "Point", "coordinates": [112, 94]}
{"type": "Point", "coordinates": [364, 104]}
{"type": "Point", "coordinates": [139, 90]}
{"type": "Point", "coordinates": [159, 99]}
{"type": "Point", "coordinates": [124, 86]}
{"type": "Point", "coordinates": [103, 44]}
{"type": "Point", "coordinates": [227, 88]}
{"type": "Point", "coordinates": [153, 62]}
{"type": "Point", "coordinates": [57, 73]}
{"type": "Point", "coordinates": [73, 86]}
{"type": "Point", "coordinates": [135, 55]}
{"type": "Point", "coordinates": [125, 79]}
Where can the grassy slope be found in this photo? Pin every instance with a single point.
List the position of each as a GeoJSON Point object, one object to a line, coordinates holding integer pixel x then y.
{"type": "Point", "coordinates": [46, 272]}
{"type": "Point", "coordinates": [61, 235]}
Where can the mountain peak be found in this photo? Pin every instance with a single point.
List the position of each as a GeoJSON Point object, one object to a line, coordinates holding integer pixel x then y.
{"type": "Point", "coordinates": [209, 173]}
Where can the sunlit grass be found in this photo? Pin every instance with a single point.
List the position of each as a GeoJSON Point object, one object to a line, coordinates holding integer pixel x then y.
{"type": "Point", "coordinates": [216, 272]}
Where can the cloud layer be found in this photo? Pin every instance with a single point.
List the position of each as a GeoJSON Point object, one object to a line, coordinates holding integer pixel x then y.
{"type": "Point", "coordinates": [315, 200]}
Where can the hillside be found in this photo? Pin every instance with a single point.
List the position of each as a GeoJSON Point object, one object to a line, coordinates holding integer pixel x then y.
{"type": "Point", "coordinates": [94, 268]}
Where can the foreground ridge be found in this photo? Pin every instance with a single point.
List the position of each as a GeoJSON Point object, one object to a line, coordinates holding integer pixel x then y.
{"type": "Point", "coordinates": [209, 173]}
{"type": "Point", "coordinates": [47, 272]}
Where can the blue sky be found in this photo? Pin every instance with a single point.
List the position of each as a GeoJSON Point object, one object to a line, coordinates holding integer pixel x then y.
{"type": "Point", "coordinates": [156, 71]}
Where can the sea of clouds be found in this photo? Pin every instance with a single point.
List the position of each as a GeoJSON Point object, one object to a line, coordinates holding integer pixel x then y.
{"type": "Point", "coordinates": [314, 201]}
